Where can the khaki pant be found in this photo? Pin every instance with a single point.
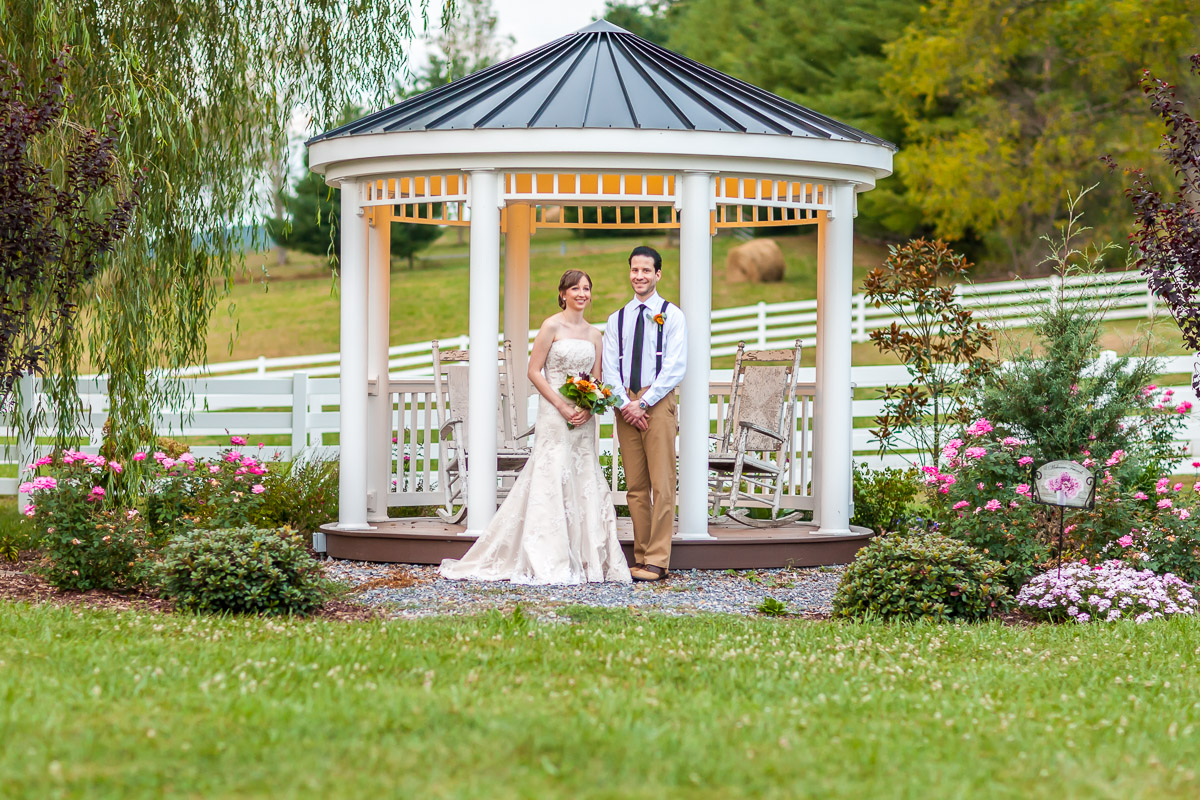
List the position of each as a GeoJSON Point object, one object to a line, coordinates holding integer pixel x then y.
{"type": "Point", "coordinates": [650, 473]}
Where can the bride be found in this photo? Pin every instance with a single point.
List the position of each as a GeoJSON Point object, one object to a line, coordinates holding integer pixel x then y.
{"type": "Point", "coordinates": [557, 524]}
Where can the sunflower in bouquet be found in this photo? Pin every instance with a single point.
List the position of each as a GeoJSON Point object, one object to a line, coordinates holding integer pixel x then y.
{"type": "Point", "coordinates": [588, 393]}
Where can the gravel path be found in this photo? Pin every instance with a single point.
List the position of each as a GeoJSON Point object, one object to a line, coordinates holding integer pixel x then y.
{"type": "Point", "coordinates": [410, 591]}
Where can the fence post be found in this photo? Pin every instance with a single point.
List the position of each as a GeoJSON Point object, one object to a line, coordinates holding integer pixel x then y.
{"type": "Point", "coordinates": [860, 318]}
{"type": "Point", "coordinates": [1150, 302]}
{"type": "Point", "coordinates": [1055, 288]}
{"type": "Point", "coordinates": [299, 414]}
{"type": "Point", "coordinates": [762, 325]}
{"type": "Point", "coordinates": [26, 444]}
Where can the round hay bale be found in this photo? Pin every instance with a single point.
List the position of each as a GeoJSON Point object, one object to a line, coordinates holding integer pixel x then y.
{"type": "Point", "coordinates": [756, 261]}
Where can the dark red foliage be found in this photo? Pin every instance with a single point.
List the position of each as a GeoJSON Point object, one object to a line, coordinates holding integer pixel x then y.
{"type": "Point", "coordinates": [1167, 236]}
{"type": "Point", "coordinates": [60, 213]}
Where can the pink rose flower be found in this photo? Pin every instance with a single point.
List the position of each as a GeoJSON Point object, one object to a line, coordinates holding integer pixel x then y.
{"type": "Point", "coordinates": [30, 510]}
{"type": "Point", "coordinates": [1165, 503]}
{"type": "Point", "coordinates": [115, 467]}
{"type": "Point", "coordinates": [1125, 541]}
{"type": "Point", "coordinates": [1025, 460]}
{"type": "Point", "coordinates": [961, 504]}
{"type": "Point", "coordinates": [238, 440]}
{"type": "Point", "coordinates": [992, 505]}
{"type": "Point", "coordinates": [139, 456]}
{"type": "Point", "coordinates": [975, 452]}
{"type": "Point", "coordinates": [979, 427]}
{"type": "Point", "coordinates": [258, 488]}
{"type": "Point", "coordinates": [1140, 496]}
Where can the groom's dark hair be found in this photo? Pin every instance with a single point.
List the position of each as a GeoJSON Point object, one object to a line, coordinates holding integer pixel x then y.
{"type": "Point", "coordinates": [643, 250]}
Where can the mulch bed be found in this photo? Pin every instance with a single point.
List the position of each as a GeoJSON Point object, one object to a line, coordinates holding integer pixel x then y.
{"type": "Point", "coordinates": [21, 584]}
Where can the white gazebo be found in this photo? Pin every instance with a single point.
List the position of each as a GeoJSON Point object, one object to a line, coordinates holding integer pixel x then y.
{"type": "Point", "coordinates": [597, 129]}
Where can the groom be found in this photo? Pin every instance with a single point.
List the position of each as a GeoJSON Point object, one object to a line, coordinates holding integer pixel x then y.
{"type": "Point", "coordinates": [645, 350]}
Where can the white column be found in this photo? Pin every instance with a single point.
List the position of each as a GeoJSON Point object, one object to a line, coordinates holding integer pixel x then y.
{"type": "Point", "coordinates": [836, 420]}
{"type": "Point", "coordinates": [484, 374]}
{"type": "Point", "coordinates": [352, 427]}
{"type": "Point", "coordinates": [695, 298]}
{"type": "Point", "coordinates": [379, 412]}
{"type": "Point", "coordinates": [516, 303]}
{"type": "Point", "coordinates": [819, 396]}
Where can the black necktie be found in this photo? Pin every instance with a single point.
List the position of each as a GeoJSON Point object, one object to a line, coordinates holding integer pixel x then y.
{"type": "Point", "coordinates": [635, 360]}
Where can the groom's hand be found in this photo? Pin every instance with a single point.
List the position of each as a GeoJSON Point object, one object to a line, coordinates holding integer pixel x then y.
{"type": "Point", "coordinates": [635, 415]}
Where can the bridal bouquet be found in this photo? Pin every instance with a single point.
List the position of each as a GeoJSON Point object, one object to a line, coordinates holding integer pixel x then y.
{"type": "Point", "coordinates": [588, 393]}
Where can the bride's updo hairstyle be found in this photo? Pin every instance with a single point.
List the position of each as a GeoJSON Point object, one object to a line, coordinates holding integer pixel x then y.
{"type": "Point", "coordinates": [570, 278]}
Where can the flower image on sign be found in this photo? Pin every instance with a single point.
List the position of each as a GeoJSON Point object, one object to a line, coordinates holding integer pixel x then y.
{"type": "Point", "coordinates": [1064, 483]}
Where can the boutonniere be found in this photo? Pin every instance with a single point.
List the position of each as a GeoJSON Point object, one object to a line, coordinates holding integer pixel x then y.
{"type": "Point", "coordinates": [660, 318]}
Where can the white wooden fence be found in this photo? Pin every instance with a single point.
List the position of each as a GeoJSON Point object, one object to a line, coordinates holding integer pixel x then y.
{"type": "Point", "coordinates": [1007, 304]}
{"type": "Point", "coordinates": [302, 411]}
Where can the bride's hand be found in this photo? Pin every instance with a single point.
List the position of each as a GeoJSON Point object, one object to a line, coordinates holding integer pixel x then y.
{"type": "Point", "coordinates": [581, 416]}
{"type": "Point", "coordinates": [569, 412]}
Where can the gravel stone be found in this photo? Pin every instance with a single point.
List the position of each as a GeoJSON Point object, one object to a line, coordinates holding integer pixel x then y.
{"type": "Point", "coordinates": [407, 591]}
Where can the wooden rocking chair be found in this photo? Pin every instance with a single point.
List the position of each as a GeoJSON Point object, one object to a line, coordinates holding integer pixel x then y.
{"type": "Point", "coordinates": [754, 449]}
{"type": "Point", "coordinates": [451, 390]}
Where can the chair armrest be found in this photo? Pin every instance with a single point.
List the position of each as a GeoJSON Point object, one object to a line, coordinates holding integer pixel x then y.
{"type": "Point", "coordinates": [450, 423]}
{"type": "Point", "coordinates": [526, 433]}
{"type": "Point", "coordinates": [750, 426]}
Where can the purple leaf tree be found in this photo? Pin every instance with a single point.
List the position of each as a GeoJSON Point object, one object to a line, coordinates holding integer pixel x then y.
{"type": "Point", "coordinates": [1167, 236]}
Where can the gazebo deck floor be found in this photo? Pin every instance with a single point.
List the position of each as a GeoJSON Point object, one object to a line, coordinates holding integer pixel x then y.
{"type": "Point", "coordinates": [428, 540]}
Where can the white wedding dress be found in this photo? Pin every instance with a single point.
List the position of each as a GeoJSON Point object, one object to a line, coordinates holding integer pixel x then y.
{"type": "Point", "coordinates": [557, 525]}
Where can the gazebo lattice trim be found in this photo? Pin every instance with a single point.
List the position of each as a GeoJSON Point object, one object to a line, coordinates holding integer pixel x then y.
{"type": "Point", "coordinates": [613, 200]}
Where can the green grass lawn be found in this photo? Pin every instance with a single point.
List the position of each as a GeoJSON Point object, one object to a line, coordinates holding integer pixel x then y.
{"type": "Point", "coordinates": [106, 705]}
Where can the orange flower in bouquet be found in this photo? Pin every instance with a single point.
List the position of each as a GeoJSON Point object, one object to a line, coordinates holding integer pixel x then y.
{"type": "Point", "coordinates": [588, 393]}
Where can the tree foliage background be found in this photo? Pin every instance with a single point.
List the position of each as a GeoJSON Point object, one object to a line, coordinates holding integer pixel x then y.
{"type": "Point", "coordinates": [206, 89]}
{"type": "Point", "coordinates": [1000, 107]}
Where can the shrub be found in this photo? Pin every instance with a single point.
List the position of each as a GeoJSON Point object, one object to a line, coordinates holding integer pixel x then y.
{"type": "Point", "coordinates": [16, 533]}
{"type": "Point", "coordinates": [302, 495]}
{"type": "Point", "coordinates": [1161, 547]}
{"type": "Point", "coordinates": [1106, 592]}
{"type": "Point", "coordinates": [186, 492]}
{"type": "Point", "coordinates": [242, 570]}
{"type": "Point", "coordinates": [983, 497]}
{"type": "Point", "coordinates": [921, 575]}
{"type": "Point", "coordinates": [883, 498]}
{"type": "Point", "coordinates": [88, 543]}
{"type": "Point", "coordinates": [1061, 400]}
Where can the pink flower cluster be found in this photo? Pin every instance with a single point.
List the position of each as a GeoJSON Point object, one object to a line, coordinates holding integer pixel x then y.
{"type": "Point", "coordinates": [38, 484]}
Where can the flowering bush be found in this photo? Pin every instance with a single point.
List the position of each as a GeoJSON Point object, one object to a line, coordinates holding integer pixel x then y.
{"type": "Point", "coordinates": [984, 497]}
{"type": "Point", "coordinates": [1160, 547]}
{"type": "Point", "coordinates": [921, 575]}
{"type": "Point", "coordinates": [187, 492]}
{"type": "Point", "coordinates": [88, 542]}
{"type": "Point", "coordinates": [1106, 592]}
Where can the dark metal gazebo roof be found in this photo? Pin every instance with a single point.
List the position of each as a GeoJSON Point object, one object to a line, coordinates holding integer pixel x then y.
{"type": "Point", "coordinates": [603, 76]}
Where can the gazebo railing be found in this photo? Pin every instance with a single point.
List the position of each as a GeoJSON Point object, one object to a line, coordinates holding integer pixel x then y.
{"type": "Point", "coordinates": [415, 451]}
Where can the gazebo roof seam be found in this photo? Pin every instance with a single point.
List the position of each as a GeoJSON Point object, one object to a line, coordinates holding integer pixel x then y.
{"type": "Point", "coordinates": [644, 90]}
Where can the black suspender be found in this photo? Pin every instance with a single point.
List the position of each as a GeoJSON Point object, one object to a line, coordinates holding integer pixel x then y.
{"type": "Point", "coordinates": [658, 353]}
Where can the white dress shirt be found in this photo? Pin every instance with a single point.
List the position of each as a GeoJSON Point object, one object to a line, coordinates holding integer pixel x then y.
{"type": "Point", "coordinates": [674, 357]}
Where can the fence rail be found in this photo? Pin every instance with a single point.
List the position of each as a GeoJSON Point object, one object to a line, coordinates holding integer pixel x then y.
{"type": "Point", "coordinates": [1003, 304]}
{"type": "Point", "coordinates": [303, 411]}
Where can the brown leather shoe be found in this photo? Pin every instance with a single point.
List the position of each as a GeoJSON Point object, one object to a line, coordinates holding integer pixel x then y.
{"type": "Point", "coordinates": [648, 573]}
{"type": "Point", "coordinates": [632, 567]}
